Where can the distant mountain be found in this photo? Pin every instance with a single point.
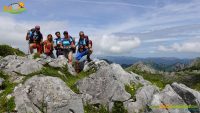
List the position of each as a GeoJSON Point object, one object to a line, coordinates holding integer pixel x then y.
{"type": "Point", "coordinates": [143, 67]}
{"type": "Point", "coordinates": [194, 65]}
{"type": "Point", "coordinates": [160, 63]}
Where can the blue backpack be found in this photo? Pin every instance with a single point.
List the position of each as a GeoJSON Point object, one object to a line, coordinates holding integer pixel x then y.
{"type": "Point", "coordinates": [67, 42]}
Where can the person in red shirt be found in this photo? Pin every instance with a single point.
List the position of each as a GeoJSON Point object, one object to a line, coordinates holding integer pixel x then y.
{"type": "Point", "coordinates": [48, 46]}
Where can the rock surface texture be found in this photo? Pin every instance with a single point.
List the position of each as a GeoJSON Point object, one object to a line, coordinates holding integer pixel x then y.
{"type": "Point", "coordinates": [46, 94]}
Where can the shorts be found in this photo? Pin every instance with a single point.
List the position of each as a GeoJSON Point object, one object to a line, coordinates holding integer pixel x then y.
{"type": "Point", "coordinates": [79, 55]}
{"type": "Point", "coordinates": [59, 52]}
{"type": "Point", "coordinates": [67, 52]}
{"type": "Point", "coordinates": [36, 46]}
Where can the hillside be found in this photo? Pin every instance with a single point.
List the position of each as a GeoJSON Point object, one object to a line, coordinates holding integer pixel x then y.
{"type": "Point", "coordinates": [159, 63]}
{"type": "Point", "coordinates": [8, 50]}
{"type": "Point", "coordinates": [186, 74]}
{"type": "Point", "coordinates": [46, 85]}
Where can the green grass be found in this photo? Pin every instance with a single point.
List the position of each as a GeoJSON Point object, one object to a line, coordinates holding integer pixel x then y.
{"type": "Point", "coordinates": [69, 79]}
{"type": "Point", "coordinates": [186, 76]}
{"type": "Point", "coordinates": [8, 87]}
{"type": "Point", "coordinates": [156, 79]}
{"type": "Point", "coordinates": [6, 50]}
{"type": "Point", "coordinates": [95, 109]}
{"type": "Point", "coordinates": [36, 55]}
{"type": "Point", "coordinates": [119, 107]}
{"type": "Point", "coordinates": [189, 78]}
{"type": "Point", "coordinates": [132, 88]}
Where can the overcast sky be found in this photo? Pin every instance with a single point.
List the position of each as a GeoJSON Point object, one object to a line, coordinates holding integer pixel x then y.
{"type": "Point", "coordinates": [138, 28]}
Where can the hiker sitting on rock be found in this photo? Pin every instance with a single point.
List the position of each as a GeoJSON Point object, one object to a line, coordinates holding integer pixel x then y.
{"type": "Point", "coordinates": [57, 44]}
{"type": "Point", "coordinates": [68, 46]}
{"type": "Point", "coordinates": [34, 36]}
{"type": "Point", "coordinates": [84, 48]}
{"type": "Point", "coordinates": [48, 46]}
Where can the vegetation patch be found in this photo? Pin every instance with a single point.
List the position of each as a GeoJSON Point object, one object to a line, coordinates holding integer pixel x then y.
{"type": "Point", "coordinates": [132, 88]}
{"type": "Point", "coordinates": [6, 50]}
{"type": "Point", "coordinates": [119, 107]}
{"type": "Point", "coordinates": [156, 79]}
{"type": "Point", "coordinates": [36, 55]}
{"type": "Point", "coordinates": [6, 105]}
{"type": "Point", "coordinates": [95, 109]}
{"type": "Point", "coordinates": [69, 79]}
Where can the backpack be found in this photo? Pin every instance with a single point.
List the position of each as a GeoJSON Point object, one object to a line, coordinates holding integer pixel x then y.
{"type": "Point", "coordinates": [33, 36]}
{"type": "Point", "coordinates": [90, 42]}
{"type": "Point", "coordinates": [73, 40]}
{"type": "Point", "coordinates": [66, 42]}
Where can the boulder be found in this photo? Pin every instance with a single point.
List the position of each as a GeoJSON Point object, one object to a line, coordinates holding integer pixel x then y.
{"type": "Point", "coordinates": [46, 94]}
{"type": "Point", "coordinates": [71, 69]}
{"type": "Point", "coordinates": [20, 65]}
{"type": "Point", "coordinates": [143, 99]}
{"type": "Point", "coordinates": [95, 64]}
{"type": "Point", "coordinates": [143, 67]}
{"type": "Point", "coordinates": [59, 62]}
{"type": "Point", "coordinates": [44, 60]}
{"type": "Point", "coordinates": [161, 102]}
{"type": "Point", "coordinates": [190, 96]}
{"type": "Point", "coordinates": [107, 85]}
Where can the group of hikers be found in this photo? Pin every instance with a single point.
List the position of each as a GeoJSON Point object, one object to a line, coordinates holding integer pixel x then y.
{"type": "Point", "coordinates": [64, 46]}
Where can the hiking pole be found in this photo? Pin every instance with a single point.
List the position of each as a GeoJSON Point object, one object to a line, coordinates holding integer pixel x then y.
{"type": "Point", "coordinates": [28, 47]}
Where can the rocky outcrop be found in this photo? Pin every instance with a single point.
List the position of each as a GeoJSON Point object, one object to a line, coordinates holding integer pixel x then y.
{"type": "Point", "coordinates": [59, 62]}
{"type": "Point", "coordinates": [46, 94]}
{"type": "Point", "coordinates": [143, 67]}
{"type": "Point", "coordinates": [167, 97]}
{"type": "Point", "coordinates": [190, 96]}
{"type": "Point", "coordinates": [107, 85]}
{"type": "Point", "coordinates": [19, 65]}
{"type": "Point", "coordinates": [95, 64]}
{"type": "Point", "coordinates": [15, 66]}
{"type": "Point", "coordinates": [143, 99]}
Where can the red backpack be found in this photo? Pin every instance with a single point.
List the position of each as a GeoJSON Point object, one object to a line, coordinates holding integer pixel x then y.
{"type": "Point", "coordinates": [90, 41]}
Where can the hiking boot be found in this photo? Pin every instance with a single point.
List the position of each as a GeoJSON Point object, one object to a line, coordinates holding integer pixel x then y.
{"type": "Point", "coordinates": [77, 67]}
{"type": "Point", "coordinates": [89, 59]}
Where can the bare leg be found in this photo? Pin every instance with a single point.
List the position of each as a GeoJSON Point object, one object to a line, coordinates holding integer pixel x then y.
{"type": "Point", "coordinates": [88, 55]}
{"type": "Point", "coordinates": [70, 55]}
{"type": "Point", "coordinates": [31, 48]}
{"type": "Point", "coordinates": [77, 67]}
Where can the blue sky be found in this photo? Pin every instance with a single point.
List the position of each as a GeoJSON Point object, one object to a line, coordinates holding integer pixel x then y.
{"type": "Point", "coordinates": [138, 28]}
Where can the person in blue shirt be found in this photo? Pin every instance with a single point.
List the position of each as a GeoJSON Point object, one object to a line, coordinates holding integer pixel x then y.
{"type": "Point", "coordinates": [84, 48]}
{"type": "Point", "coordinates": [57, 44]}
{"type": "Point", "coordinates": [68, 46]}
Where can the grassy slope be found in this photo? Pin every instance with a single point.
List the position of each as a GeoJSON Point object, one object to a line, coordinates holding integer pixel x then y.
{"type": "Point", "coordinates": [7, 50]}
{"type": "Point", "coordinates": [5, 104]}
{"type": "Point", "coordinates": [186, 76]}
{"type": "Point", "coordinates": [156, 79]}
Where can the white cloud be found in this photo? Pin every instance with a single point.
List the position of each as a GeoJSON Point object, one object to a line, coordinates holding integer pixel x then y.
{"type": "Point", "coordinates": [160, 40]}
{"type": "Point", "coordinates": [13, 32]}
{"type": "Point", "coordinates": [112, 44]}
{"type": "Point", "coordinates": [183, 47]}
{"type": "Point", "coordinates": [113, 3]}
